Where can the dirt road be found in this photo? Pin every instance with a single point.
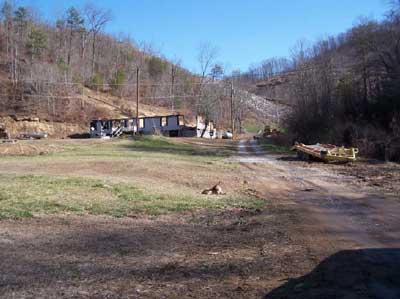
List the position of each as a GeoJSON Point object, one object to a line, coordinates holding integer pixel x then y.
{"type": "Point", "coordinates": [366, 218]}
{"type": "Point", "coordinates": [364, 224]}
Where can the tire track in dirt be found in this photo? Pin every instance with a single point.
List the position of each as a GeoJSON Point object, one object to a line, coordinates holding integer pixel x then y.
{"type": "Point", "coordinates": [344, 212]}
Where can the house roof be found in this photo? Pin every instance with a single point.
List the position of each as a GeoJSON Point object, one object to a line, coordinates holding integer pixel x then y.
{"type": "Point", "coordinates": [140, 117]}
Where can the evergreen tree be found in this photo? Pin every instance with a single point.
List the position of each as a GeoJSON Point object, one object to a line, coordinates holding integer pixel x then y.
{"type": "Point", "coordinates": [37, 42]}
{"type": "Point", "coordinates": [74, 23]}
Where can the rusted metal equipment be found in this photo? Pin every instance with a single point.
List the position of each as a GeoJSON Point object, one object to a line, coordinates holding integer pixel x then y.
{"type": "Point", "coordinates": [325, 152]}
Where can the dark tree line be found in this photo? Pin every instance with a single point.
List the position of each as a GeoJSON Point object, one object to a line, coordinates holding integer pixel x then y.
{"type": "Point", "coordinates": [345, 89]}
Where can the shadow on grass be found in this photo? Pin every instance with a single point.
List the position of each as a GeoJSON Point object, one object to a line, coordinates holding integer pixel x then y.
{"type": "Point", "coordinates": [88, 256]}
{"type": "Point", "coordinates": [162, 145]}
{"type": "Point", "coordinates": [356, 274]}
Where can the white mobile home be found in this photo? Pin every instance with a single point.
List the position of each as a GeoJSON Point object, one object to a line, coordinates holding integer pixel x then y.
{"type": "Point", "coordinates": [169, 125]}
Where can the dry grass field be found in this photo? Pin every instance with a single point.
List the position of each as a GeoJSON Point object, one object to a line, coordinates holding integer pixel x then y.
{"type": "Point", "coordinates": [126, 219]}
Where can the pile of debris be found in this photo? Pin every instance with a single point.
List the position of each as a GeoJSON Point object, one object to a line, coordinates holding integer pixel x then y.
{"type": "Point", "coordinates": [6, 136]}
{"type": "Point", "coordinates": [268, 132]}
{"type": "Point", "coordinates": [206, 129]}
{"type": "Point", "coordinates": [31, 136]}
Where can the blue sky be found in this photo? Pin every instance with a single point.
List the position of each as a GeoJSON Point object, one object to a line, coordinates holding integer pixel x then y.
{"type": "Point", "coordinates": [245, 32]}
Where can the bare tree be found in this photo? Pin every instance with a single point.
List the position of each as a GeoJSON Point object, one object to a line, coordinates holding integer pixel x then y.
{"type": "Point", "coordinates": [206, 103]}
{"type": "Point", "coordinates": [206, 57]}
{"type": "Point", "coordinates": [6, 15]}
{"type": "Point", "coordinates": [97, 18]}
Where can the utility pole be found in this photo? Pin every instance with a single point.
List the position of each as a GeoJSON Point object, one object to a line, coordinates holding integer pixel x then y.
{"type": "Point", "coordinates": [137, 100]}
{"type": "Point", "coordinates": [232, 122]}
{"type": "Point", "coordinates": [172, 88]}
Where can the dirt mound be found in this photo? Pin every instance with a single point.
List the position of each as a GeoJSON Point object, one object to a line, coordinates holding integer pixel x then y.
{"type": "Point", "coordinates": [29, 125]}
{"type": "Point", "coordinates": [62, 117]}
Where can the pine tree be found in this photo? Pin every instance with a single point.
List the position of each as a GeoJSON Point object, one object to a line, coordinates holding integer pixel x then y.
{"type": "Point", "coordinates": [37, 42]}
{"type": "Point", "coordinates": [74, 23]}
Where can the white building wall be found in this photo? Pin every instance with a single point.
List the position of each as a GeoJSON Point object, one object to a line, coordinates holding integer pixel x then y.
{"type": "Point", "coordinates": [209, 132]}
{"type": "Point", "coordinates": [154, 123]}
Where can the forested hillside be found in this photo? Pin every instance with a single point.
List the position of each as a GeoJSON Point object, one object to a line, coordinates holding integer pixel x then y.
{"type": "Point", "coordinates": [43, 62]}
{"type": "Point", "coordinates": [68, 71]}
{"type": "Point", "coordinates": [344, 89]}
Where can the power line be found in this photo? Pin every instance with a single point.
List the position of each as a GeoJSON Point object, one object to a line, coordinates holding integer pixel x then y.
{"type": "Point", "coordinates": [41, 96]}
{"type": "Point", "coordinates": [106, 84]}
{"type": "Point", "coordinates": [79, 97]}
{"type": "Point", "coordinates": [169, 97]}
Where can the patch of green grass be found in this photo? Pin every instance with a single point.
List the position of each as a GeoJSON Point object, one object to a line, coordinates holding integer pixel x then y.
{"type": "Point", "coordinates": [274, 149]}
{"type": "Point", "coordinates": [253, 127]}
{"type": "Point", "coordinates": [151, 148]}
{"type": "Point", "coordinates": [159, 144]}
{"type": "Point", "coordinates": [30, 195]}
{"type": "Point", "coordinates": [139, 148]}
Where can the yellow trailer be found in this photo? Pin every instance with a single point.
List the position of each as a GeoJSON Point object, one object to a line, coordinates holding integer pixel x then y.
{"type": "Point", "coordinates": [325, 152]}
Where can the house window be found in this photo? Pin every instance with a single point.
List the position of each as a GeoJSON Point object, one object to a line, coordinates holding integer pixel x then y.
{"type": "Point", "coordinates": [164, 121]}
{"type": "Point", "coordinates": [141, 123]}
